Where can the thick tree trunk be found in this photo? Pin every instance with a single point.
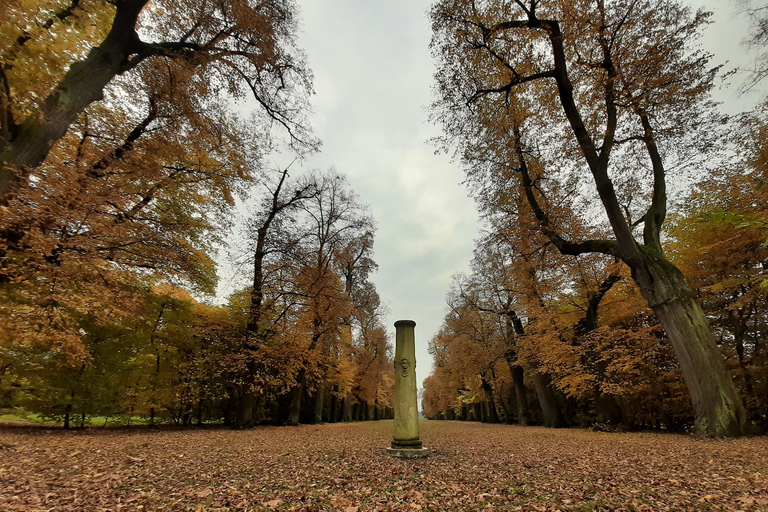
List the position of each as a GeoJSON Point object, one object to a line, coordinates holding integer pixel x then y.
{"type": "Point", "coordinates": [477, 411]}
{"type": "Point", "coordinates": [501, 408]}
{"type": "Point", "coordinates": [245, 407]}
{"type": "Point", "coordinates": [521, 399]}
{"type": "Point", "coordinates": [492, 412]}
{"type": "Point", "coordinates": [297, 393]}
{"type": "Point", "coordinates": [490, 415]}
{"type": "Point", "coordinates": [718, 408]}
{"type": "Point", "coordinates": [83, 84]}
{"type": "Point", "coordinates": [549, 408]}
{"type": "Point", "coordinates": [346, 408]}
{"type": "Point", "coordinates": [334, 408]}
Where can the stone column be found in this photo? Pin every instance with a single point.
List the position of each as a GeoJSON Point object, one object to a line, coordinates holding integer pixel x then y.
{"type": "Point", "coordinates": [406, 442]}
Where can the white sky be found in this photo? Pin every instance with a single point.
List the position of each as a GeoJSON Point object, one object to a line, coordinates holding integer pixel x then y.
{"type": "Point", "coordinates": [373, 79]}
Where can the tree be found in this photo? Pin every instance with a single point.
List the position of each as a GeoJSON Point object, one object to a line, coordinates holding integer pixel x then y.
{"type": "Point", "coordinates": [758, 37]}
{"type": "Point", "coordinates": [239, 47]}
{"type": "Point", "coordinates": [118, 168]}
{"type": "Point", "coordinates": [333, 221]}
{"type": "Point", "coordinates": [277, 203]}
{"type": "Point", "coordinates": [367, 379]}
{"type": "Point", "coordinates": [124, 193]}
{"type": "Point", "coordinates": [556, 90]}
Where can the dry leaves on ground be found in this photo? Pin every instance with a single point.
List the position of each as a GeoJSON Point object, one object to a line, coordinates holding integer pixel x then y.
{"type": "Point", "coordinates": [344, 467]}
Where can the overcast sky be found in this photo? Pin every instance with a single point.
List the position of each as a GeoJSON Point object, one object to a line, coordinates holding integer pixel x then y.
{"type": "Point", "coordinates": [373, 79]}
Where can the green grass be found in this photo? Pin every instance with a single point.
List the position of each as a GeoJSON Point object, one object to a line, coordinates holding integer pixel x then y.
{"type": "Point", "coordinates": [91, 421]}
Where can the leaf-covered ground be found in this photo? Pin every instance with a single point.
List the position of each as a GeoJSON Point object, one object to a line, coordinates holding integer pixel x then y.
{"type": "Point", "coordinates": [344, 467]}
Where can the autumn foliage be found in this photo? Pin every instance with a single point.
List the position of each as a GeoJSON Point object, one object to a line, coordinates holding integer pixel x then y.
{"type": "Point", "coordinates": [128, 131]}
{"type": "Point", "coordinates": [527, 311]}
{"type": "Point", "coordinates": [572, 120]}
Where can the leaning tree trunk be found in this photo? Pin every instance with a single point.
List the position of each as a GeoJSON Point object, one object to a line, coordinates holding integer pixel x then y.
{"type": "Point", "coordinates": [501, 408]}
{"type": "Point", "coordinates": [490, 413]}
{"type": "Point", "coordinates": [718, 409]}
{"type": "Point", "coordinates": [82, 85]}
{"type": "Point", "coordinates": [549, 408]}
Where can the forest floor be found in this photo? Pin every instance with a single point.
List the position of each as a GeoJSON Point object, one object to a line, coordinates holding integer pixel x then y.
{"type": "Point", "coordinates": [344, 467]}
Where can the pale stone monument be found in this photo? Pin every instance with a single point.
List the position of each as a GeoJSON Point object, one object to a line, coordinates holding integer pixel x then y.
{"type": "Point", "coordinates": [406, 443]}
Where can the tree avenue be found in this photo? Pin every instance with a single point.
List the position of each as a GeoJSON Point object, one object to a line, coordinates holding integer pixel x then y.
{"type": "Point", "coordinates": [130, 129]}
{"type": "Point", "coordinates": [577, 103]}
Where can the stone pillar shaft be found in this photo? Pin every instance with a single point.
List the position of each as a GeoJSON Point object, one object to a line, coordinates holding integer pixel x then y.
{"type": "Point", "coordinates": [406, 442]}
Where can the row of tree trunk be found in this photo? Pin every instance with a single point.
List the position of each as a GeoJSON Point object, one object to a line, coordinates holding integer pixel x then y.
{"type": "Point", "coordinates": [300, 406]}
{"type": "Point", "coordinates": [554, 410]}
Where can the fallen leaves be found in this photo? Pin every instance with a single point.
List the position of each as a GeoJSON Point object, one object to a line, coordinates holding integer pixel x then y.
{"type": "Point", "coordinates": [344, 468]}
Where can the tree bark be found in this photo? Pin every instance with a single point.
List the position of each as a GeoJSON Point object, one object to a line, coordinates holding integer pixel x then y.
{"type": "Point", "coordinates": [245, 407]}
{"type": "Point", "coordinates": [715, 400]}
{"type": "Point", "coordinates": [317, 417]}
{"type": "Point", "coordinates": [477, 411]}
{"type": "Point", "coordinates": [334, 407]}
{"type": "Point", "coordinates": [553, 418]}
{"type": "Point", "coordinates": [501, 408]}
{"type": "Point", "coordinates": [346, 408]}
{"type": "Point", "coordinates": [297, 393]}
{"type": "Point", "coordinates": [82, 85]}
{"type": "Point", "coordinates": [521, 398]}
{"type": "Point", "coordinates": [489, 410]}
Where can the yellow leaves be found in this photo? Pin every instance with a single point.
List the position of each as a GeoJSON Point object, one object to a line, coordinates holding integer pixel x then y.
{"type": "Point", "coordinates": [47, 47]}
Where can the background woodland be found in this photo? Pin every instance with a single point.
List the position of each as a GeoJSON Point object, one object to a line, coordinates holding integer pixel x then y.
{"type": "Point", "coordinates": [619, 280]}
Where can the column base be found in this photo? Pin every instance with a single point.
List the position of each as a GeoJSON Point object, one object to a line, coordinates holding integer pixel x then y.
{"type": "Point", "coordinates": [408, 453]}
